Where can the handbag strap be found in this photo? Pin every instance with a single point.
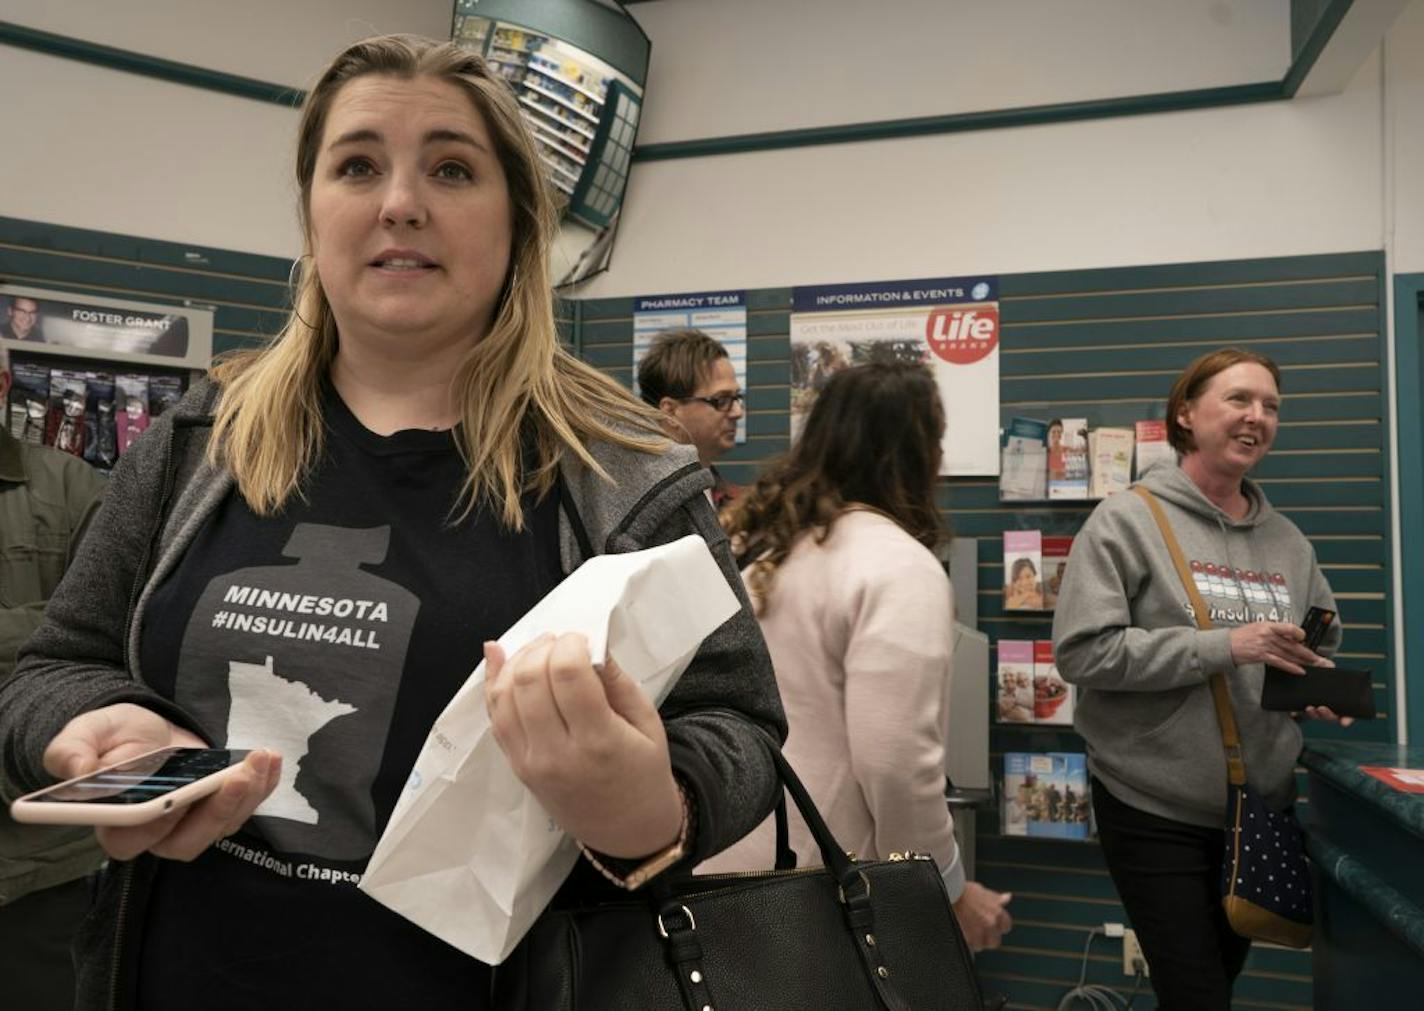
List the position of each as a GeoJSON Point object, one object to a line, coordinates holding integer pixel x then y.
{"type": "Point", "coordinates": [785, 855]}
{"type": "Point", "coordinates": [1220, 694]}
{"type": "Point", "coordinates": [675, 921]}
{"type": "Point", "coordinates": [854, 885]}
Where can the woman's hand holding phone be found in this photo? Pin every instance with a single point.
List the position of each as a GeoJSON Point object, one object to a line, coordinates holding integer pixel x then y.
{"type": "Point", "coordinates": [123, 731]}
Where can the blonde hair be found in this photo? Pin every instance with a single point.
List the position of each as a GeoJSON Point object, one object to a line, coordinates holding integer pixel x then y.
{"type": "Point", "coordinates": [268, 430]}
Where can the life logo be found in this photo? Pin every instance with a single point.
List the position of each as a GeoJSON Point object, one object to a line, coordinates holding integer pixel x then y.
{"type": "Point", "coordinates": [963, 335]}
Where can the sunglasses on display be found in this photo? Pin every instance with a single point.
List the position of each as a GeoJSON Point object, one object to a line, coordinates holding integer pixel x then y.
{"type": "Point", "coordinates": [722, 402]}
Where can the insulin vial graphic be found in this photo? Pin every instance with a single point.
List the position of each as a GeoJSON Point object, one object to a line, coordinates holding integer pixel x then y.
{"type": "Point", "coordinates": [306, 659]}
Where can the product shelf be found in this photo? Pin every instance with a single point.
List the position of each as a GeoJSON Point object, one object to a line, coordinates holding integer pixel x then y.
{"type": "Point", "coordinates": [533, 86]}
{"type": "Point", "coordinates": [554, 117]}
{"type": "Point", "coordinates": [544, 71]}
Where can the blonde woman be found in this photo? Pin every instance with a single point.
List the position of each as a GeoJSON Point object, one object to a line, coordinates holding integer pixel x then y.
{"type": "Point", "coordinates": [311, 554]}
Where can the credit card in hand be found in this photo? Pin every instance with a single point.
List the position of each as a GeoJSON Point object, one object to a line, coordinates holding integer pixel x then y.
{"type": "Point", "coordinates": [1317, 622]}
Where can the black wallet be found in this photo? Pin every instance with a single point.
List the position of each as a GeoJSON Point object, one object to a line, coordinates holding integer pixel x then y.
{"type": "Point", "coordinates": [1347, 692]}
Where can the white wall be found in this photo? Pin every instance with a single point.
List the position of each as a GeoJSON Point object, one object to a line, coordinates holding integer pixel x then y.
{"type": "Point", "coordinates": [1274, 179]}
{"type": "Point", "coordinates": [133, 155]}
{"type": "Point", "coordinates": [95, 148]}
{"type": "Point", "coordinates": [1267, 180]}
{"type": "Point", "coordinates": [747, 66]}
{"type": "Point", "coordinates": [1404, 149]}
{"type": "Point", "coordinates": [137, 156]}
{"type": "Point", "coordinates": [282, 41]}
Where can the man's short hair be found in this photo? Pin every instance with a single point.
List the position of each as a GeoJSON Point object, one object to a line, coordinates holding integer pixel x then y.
{"type": "Point", "coordinates": [676, 363]}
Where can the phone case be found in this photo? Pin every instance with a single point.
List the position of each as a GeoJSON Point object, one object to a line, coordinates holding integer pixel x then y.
{"type": "Point", "coordinates": [32, 808]}
{"type": "Point", "coordinates": [1346, 692]}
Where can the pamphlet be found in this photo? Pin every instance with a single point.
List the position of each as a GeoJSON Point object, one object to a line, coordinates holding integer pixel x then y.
{"type": "Point", "coordinates": [1046, 795]}
{"type": "Point", "coordinates": [1023, 566]}
{"type": "Point", "coordinates": [1068, 458]}
{"type": "Point", "coordinates": [1055, 561]}
{"type": "Point", "coordinates": [1015, 701]}
{"type": "Point", "coordinates": [1019, 784]}
{"type": "Point", "coordinates": [1060, 799]}
{"type": "Point", "coordinates": [1110, 450]}
{"type": "Point", "coordinates": [1023, 475]}
{"type": "Point", "coordinates": [1052, 696]}
{"type": "Point", "coordinates": [1152, 446]}
{"type": "Point", "coordinates": [1026, 435]}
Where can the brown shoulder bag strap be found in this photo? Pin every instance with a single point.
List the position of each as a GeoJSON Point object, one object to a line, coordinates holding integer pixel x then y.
{"type": "Point", "coordinates": [1221, 695]}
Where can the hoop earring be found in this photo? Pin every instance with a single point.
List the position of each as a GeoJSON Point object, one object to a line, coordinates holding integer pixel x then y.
{"type": "Point", "coordinates": [296, 296]}
{"type": "Point", "coordinates": [292, 272]}
{"type": "Point", "coordinates": [508, 290]}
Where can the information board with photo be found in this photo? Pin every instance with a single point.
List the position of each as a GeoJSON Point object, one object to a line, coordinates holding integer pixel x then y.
{"type": "Point", "coordinates": [949, 324]}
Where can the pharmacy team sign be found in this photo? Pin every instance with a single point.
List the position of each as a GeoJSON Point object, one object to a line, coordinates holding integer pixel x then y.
{"type": "Point", "coordinates": [950, 324]}
{"type": "Point", "coordinates": [722, 315]}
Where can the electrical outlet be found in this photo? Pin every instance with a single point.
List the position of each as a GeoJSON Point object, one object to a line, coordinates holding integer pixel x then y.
{"type": "Point", "coordinates": [1132, 954]}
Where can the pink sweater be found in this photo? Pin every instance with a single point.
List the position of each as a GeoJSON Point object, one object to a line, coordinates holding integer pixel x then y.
{"type": "Point", "coordinates": [861, 636]}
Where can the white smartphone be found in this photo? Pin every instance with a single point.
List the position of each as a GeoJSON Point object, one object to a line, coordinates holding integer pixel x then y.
{"type": "Point", "coordinates": [131, 792]}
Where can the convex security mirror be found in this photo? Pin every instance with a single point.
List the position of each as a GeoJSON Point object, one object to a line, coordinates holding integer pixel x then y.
{"type": "Point", "coordinates": [578, 68]}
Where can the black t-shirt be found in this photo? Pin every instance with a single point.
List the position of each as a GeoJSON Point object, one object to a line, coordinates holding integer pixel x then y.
{"type": "Point", "coordinates": [335, 632]}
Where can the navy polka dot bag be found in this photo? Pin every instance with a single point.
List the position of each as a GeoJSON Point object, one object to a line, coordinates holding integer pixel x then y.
{"type": "Point", "coordinates": [1265, 877]}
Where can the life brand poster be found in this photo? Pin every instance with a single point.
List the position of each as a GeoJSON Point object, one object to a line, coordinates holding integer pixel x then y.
{"type": "Point", "coordinates": [949, 324]}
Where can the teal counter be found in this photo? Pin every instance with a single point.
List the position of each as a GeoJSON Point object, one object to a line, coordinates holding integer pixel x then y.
{"type": "Point", "coordinates": [1366, 842]}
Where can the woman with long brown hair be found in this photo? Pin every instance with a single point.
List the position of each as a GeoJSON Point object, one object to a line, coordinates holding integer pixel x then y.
{"type": "Point", "coordinates": [835, 545]}
{"type": "Point", "coordinates": [315, 549]}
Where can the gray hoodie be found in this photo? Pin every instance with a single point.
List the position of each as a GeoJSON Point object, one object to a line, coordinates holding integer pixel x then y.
{"type": "Point", "coordinates": [1124, 633]}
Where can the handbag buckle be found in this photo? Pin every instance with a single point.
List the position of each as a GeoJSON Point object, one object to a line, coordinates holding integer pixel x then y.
{"type": "Point", "coordinates": [864, 880]}
{"type": "Point", "coordinates": [691, 922]}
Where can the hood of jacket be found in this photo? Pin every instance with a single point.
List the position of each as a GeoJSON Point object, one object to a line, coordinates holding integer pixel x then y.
{"type": "Point", "coordinates": [1171, 484]}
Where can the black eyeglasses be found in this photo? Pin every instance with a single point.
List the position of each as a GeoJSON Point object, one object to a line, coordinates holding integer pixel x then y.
{"type": "Point", "coordinates": [721, 403]}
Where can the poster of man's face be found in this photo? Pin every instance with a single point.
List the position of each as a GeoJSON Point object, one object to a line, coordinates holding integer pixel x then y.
{"type": "Point", "coordinates": [103, 328]}
{"type": "Point", "coordinates": [22, 315]}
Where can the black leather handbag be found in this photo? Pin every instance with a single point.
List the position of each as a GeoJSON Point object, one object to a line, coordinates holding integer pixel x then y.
{"type": "Point", "coordinates": [853, 935]}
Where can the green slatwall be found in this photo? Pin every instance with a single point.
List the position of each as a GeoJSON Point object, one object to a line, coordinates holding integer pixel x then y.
{"type": "Point", "coordinates": [247, 292]}
{"type": "Point", "coordinates": [1101, 344]}
{"type": "Point", "coordinates": [1105, 345]}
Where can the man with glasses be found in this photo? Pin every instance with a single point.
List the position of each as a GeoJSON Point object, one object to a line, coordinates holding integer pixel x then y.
{"type": "Point", "coordinates": [21, 315]}
{"type": "Point", "coordinates": [689, 377]}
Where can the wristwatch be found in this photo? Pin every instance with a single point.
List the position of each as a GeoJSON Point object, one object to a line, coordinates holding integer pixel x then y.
{"type": "Point", "coordinates": [651, 866]}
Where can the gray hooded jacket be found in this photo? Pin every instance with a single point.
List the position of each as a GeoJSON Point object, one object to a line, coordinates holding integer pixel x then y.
{"type": "Point", "coordinates": [1124, 633]}
{"type": "Point", "coordinates": [85, 654]}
